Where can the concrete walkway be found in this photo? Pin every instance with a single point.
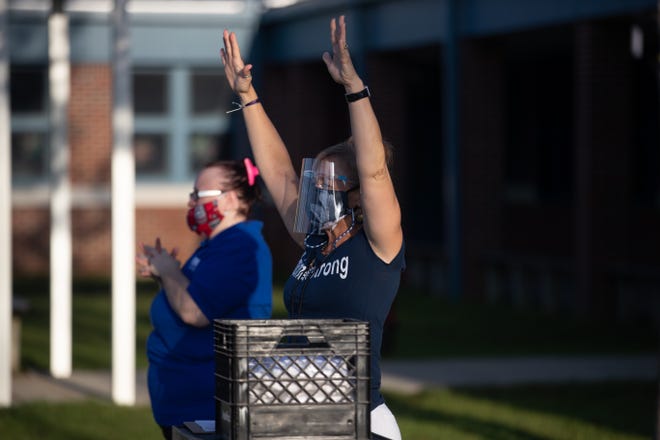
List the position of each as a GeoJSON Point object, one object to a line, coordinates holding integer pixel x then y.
{"type": "Point", "coordinates": [413, 376]}
{"type": "Point", "coordinates": [404, 376]}
{"type": "Point", "coordinates": [31, 386]}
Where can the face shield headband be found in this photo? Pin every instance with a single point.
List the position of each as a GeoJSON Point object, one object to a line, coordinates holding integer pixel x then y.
{"type": "Point", "coordinates": [322, 197]}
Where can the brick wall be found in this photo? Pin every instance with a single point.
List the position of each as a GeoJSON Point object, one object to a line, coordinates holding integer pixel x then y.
{"type": "Point", "coordinates": [603, 144]}
{"type": "Point", "coordinates": [167, 224]}
{"type": "Point", "coordinates": [90, 137]}
{"type": "Point", "coordinates": [482, 148]}
{"type": "Point", "coordinates": [90, 123]}
{"type": "Point", "coordinates": [31, 242]}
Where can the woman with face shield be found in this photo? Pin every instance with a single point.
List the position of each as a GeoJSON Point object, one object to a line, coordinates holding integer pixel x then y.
{"type": "Point", "coordinates": [342, 209]}
{"type": "Point", "coordinates": [228, 276]}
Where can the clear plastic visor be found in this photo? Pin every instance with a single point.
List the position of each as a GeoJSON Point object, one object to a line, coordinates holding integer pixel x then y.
{"type": "Point", "coordinates": [319, 203]}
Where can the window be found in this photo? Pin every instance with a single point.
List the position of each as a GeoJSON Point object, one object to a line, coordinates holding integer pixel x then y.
{"type": "Point", "coordinates": [210, 92]}
{"type": "Point", "coordinates": [29, 123]}
{"type": "Point", "coordinates": [203, 148]}
{"type": "Point", "coordinates": [149, 93]}
{"type": "Point", "coordinates": [539, 151]}
{"type": "Point", "coordinates": [150, 154]}
{"type": "Point", "coordinates": [180, 121]}
{"type": "Point", "coordinates": [646, 157]}
{"type": "Point", "coordinates": [28, 151]}
{"type": "Point", "coordinates": [28, 90]}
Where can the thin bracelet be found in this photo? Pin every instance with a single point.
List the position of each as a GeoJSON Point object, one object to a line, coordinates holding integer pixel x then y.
{"type": "Point", "coordinates": [240, 106]}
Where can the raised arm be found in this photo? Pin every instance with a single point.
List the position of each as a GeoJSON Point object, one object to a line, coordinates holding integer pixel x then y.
{"type": "Point", "coordinates": [270, 153]}
{"type": "Point", "coordinates": [380, 206]}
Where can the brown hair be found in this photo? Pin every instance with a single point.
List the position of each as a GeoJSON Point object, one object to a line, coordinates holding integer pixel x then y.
{"type": "Point", "coordinates": [237, 180]}
{"type": "Point", "coordinates": [345, 151]}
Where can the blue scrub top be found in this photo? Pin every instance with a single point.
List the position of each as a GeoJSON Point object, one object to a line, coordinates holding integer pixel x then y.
{"type": "Point", "coordinates": [230, 278]}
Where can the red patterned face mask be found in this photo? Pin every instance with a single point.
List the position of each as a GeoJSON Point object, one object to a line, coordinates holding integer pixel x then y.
{"type": "Point", "coordinates": [202, 219]}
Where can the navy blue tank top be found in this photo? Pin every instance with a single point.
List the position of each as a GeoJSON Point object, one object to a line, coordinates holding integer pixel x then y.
{"type": "Point", "coordinates": [350, 282]}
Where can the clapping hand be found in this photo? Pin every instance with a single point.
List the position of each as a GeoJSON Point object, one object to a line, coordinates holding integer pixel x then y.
{"type": "Point", "coordinates": [153, 261]}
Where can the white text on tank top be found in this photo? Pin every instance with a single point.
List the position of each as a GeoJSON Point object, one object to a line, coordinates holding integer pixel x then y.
{"type": "Point", "coordinates": [337, 267]}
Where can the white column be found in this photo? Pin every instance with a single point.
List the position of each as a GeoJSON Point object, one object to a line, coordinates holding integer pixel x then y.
{"type": "Point", "coordinates": [60, 202]}
{"type": "Point", "coordinates": [178, 103]}
{"type": "Point", "coordinates": [123, 217]}
{"type": "Point", "coordinates": [5, 215]}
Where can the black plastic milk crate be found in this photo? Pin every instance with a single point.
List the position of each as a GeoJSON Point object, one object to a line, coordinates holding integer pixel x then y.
{"type": "Point", "coordinates": [292, 379]}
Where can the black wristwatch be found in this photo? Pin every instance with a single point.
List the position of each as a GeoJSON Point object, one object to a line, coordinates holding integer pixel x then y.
{"type": "Point", "coordinates": [352, 97]}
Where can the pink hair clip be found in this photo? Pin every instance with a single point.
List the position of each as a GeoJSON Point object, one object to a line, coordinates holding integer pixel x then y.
{"type": "Point", "coordinates": [252, 171]}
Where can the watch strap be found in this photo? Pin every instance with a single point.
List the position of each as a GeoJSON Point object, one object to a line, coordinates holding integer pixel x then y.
{"type": "Point", "coordinates": [352, 97]}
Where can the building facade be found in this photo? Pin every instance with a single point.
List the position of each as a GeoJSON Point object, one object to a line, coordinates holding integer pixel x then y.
{"type": "Point", "coordinates": [527, 150]}
{"type": "Point", "coordinates": [179, 101]}
{"type": "Point", "coordinates": [526, 133]}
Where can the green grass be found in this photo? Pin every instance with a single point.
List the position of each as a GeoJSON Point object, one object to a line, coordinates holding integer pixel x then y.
{"type": "Point", "coordinates": [92, 305]}
{"type": "Point", "coordinates": [609, 411]}
{"type": "Point", "coordinates": [426, 326]}
{"type": "Point", "coordinates": [89, 420]}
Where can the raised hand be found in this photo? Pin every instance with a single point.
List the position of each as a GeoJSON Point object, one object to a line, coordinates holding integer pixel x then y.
{"type": "Point", "coordinates": [339, 64]}
{"type": "Point", "coordinates": [237, 72]}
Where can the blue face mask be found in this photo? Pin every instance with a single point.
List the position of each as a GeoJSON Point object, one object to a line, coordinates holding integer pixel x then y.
{"type": "Point", "coordinates": [327, 207]}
